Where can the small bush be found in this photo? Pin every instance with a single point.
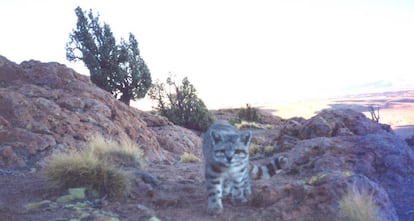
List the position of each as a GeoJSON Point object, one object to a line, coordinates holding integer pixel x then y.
{"type": "Point", "coordinates": [97, 167]}
{"type": "Point", "coordinates": [254, 149]}
{"type": "Point", "coordinates": [268, 150]}
{"type": "Point", "coordinates": [249, 114]}
{"type": "Point", "coordinates": [358, 205]}
{"type": "Point", "coordinates": [180, 104]}
{"type": "Point", "coordinates": [127, 153]}
{"type": "Point", "coordinates": [83, 169]}
{"type": "Point", "coordinates": [235, 121]}
{"type": "Point", "coordinates": [189, 158]}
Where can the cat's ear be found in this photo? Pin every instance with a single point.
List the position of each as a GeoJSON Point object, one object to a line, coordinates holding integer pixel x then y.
{"type": "Point", "coordinates": [245, 137]}
{"type": "Point", "coordinates": [217, 137]}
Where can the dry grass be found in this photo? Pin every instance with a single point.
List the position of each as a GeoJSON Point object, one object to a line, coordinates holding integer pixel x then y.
{"type": "Point", "coordinates": [252, 125]}
{"type": "Point", "coordinates": [98, 166]}
{"type": "Point", "coordinates": [189, 158]}
{"type": "Point", "coordinates": [358, 204]}
{"type": "Point", "coordinates": [254, 149]}
{"type": "Point", "coordinates": [127, 153]}
{"type": "Point", "coordinates": [268, 150]}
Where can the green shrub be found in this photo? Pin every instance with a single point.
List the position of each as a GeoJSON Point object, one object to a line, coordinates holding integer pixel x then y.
{"type": "Point", "coordinates": [235, 121]}
{"type": "Point", "coordinates": [115, 67]}
{"type": "Point", "coordinates": [180, 104]}
{"type": "Point", "coordinates": [249, 114]}
{"type": "Point", "coordinates": [98, 167]}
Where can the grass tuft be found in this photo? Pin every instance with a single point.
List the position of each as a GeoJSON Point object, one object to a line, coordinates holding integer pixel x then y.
{"type": "Point", "coordinates": [254, 149]}
{"type": "Point", "coordinates": [189, 158]}
{"type": "Point", "coordinates": [252, 125]}
{"type": "Point", "coordinates": [269, 149]}
{"type": "Point", "coordinates": [98, 166]}
{"type": "Point", "coordinates": [358, 204]}
{"type": "Point", "coordinates": [127, 153]}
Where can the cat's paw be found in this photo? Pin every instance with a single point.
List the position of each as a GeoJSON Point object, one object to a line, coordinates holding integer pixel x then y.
{"type": "Point", "coordinates": [215, 210]}
{"type": "Point", "coordinates": [239, 201]}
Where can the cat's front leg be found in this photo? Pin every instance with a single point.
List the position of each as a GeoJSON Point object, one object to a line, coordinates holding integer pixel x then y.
{"type": "Point", "coordinates": [241, 188]}
{"type": "Point", "coordinates": [215, 193]}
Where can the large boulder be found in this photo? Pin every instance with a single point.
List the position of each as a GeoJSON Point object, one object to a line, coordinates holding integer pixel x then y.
{"type": "Point", "coordinates": [47, 107]}
{"type": "Point", "coordinates": [178, 140]}
{"type": "Point", "coordinates": [340, 122]}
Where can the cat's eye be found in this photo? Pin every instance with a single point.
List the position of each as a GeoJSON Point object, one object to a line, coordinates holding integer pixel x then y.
{"type": "Point", "coordinates": [241, 153]}
{"type": "Point", "coordinates": [219, 153]}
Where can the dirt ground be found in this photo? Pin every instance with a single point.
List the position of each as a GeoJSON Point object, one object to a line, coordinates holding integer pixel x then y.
{"type": "Point", "coordinates": [180, 196]}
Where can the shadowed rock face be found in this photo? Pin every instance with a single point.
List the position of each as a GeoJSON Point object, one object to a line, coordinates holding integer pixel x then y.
{"type": "Point", "coordinates": [339, 147]}
{"type": "Point", "coordinates": [47, 107]}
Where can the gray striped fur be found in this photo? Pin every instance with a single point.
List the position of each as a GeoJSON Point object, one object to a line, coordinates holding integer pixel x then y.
{"type": "Point", "coordinates": [227, 169]}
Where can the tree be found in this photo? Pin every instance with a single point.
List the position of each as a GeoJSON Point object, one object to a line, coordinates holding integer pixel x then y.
{"type": "Point", "coordinates": [118, 69]}
{"type": "Point", "coordinates": [180, 104]}
{"type": "Point", "coordinates": [249, 114]}
{"type": "Point", "coordinates": [375, 116]}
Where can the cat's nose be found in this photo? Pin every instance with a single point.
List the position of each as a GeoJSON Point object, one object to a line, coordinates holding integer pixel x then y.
{"type": "Point", "coordinates": [228, 159]}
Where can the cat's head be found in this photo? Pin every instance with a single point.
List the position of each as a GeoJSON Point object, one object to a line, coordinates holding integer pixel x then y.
{"type": "Point", "coordinates": [230, 147]}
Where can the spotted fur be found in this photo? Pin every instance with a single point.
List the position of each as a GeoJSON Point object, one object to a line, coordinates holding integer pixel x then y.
{"type": "Point", "coordinates": [227, 169]}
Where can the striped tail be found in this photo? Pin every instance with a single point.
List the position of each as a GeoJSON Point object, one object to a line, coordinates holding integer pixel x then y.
{"type": "Point", "coordinates": [268, 170]}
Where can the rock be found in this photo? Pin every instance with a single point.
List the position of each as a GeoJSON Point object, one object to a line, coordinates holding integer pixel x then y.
{"type": "Point", "coordinates": [340, 122]}
{"type": "Point", "coordinates": [265, 196]}
{"type": "Point", "coordinates": [74, 194]}
{"type": "Point", "coordinates": [410, 141]}
{"type": "Point", "coordinates": [292, 126]}
{"type": "Point", "coordinates": [383, 158]}
{"type": "Point", "coordinates": [47, 107]}
{"type": "Point", "coordinates": [77, 193]}
{"type": "Point", "coordinates": [9, 157]}
{"type": "Point", "coordinates": [317, 127]}
{"type": "Point", "coordinates": [154, 218]}
{"type": "Point", "coordinates": [331, 155]}
{"type": "Point", "coordinates": [37, 205]}
{"type": "Point", "coordinates": [265, 116]}
{"type": "Point", "coordinates": [286, 142]}
{"type": "Point", "coordinates": [178, 140]}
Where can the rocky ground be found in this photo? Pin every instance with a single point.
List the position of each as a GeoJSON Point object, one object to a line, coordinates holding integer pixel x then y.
{"type": "Point", "coordinates": [47, 108]}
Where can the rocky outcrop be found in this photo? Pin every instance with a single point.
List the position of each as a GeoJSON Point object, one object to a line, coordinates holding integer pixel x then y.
{"type": "Point", "coordinates": [337, 149]}
{"type": "Point", "coordinates": [47, 107]}
{"type": "Point", "coordinates": [178, 140]}
{"type": "Point", "coordinates": [339, 122]}
{"type": "Point", "coordinates": [410, 141]}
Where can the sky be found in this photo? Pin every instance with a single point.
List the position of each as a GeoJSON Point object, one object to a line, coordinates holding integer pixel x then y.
{"type": "Point", "coordinates": [235, 52]}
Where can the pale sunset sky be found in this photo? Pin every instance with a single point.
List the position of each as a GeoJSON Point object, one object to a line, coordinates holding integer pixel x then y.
{"type": "Point", "coordinates": [237, 51]}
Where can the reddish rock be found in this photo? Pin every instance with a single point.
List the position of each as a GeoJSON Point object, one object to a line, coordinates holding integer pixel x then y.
{"type": "Point", "coordinates": [44, 106]}
{"type": "Point", "coordinates": [409, 140]}
{"type": "Point", "coordinates": [178, 140]}
{"type": "Point", "coordinates": [339, 122]}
